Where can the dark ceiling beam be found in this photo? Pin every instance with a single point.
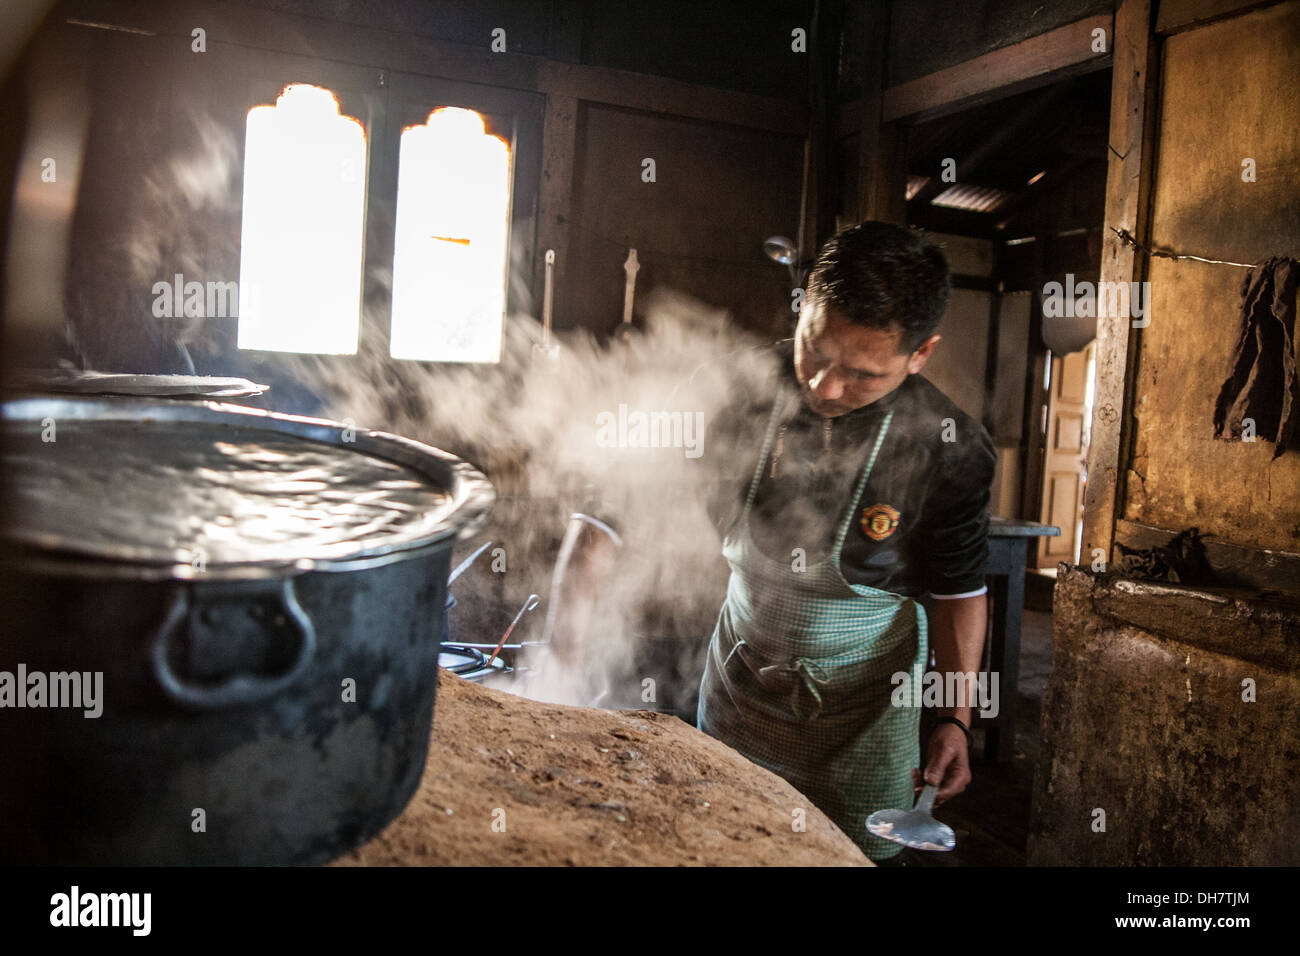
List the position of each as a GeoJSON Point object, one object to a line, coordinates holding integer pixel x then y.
{"type": "Point", "coordinates": [1175, 16]}
{"type": "Point", "coordinates": [1037, 61]}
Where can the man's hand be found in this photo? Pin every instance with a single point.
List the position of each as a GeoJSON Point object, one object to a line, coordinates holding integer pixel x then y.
{"type": "Point", "coordinates": [947, 763]}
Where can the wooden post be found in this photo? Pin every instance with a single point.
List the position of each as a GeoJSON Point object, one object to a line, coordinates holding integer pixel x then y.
{"type": "Point", "coordinates": [1128, 189]}
{"type": "Point", "coordinates": [882, 157]}
{"type": "Point", "coordinates": [555, 197]}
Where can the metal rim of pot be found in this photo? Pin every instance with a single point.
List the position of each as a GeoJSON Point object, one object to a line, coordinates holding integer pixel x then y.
{"type": "Point", "coordinates": [472, 495]}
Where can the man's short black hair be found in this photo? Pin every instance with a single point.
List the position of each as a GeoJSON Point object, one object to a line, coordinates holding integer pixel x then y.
{"type": "Point", "coordinates": [883, 276]}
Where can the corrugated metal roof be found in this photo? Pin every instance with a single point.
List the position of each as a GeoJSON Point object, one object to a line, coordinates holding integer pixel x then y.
{"type": "Point", "coordinates": [971, 198]}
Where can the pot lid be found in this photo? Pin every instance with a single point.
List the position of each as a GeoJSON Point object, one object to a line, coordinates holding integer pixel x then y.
{"type": "Point", "coordinates": [78, 381]}
{"type": "Point", "coordinates": [202, 489]}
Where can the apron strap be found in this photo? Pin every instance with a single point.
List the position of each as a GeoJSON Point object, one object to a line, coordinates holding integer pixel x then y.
{"type": "Point", "coordinates": [857, 492]}
{"type": "Point", "coordinates": [762, 456]}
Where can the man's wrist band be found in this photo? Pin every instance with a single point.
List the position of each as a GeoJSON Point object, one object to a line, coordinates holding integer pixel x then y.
{"type": "Point", "coordinates": [970, 741]}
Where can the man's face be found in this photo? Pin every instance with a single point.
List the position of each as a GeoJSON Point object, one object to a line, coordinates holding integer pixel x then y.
{"type": "Point", "coordinates": [842, 366]}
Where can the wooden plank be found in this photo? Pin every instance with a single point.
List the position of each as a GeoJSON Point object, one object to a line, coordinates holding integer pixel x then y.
{"type": "Point", "coordinates": [1034, 62]}
{"type": "Point", "coordinates": [1260, 568]}
{"type": "Point", "coordinates": [1127, 191]}
{"type": "Point", "coordinates": [1175, 16]}
{"type": "Point", "coordinates": [555, 196]}
{"type": "Point", "coordinates": [324, 39]}
{"type": "Point", "coordinates": [657, 94]}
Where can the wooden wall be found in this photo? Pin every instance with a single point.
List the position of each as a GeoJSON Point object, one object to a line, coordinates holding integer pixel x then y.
{"type": "Point", "coordinates": [719, 191]}
{"type": "Point", "coordinates": [1229, 91]}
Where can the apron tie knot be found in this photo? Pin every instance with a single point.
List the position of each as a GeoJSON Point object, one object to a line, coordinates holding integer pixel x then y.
{"type": "Point", "coordinates": [812, 675]}
{"type": "Point", "coordinates": [801, 674]}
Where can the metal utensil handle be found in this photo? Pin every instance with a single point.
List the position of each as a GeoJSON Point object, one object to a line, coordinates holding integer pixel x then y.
{"type": "Point", "coordinates": [528, 606]}
{"type": "Point", "coordinates": [631, 267]}
{"type": "Point", "coordinates": [547, 295]}
{"type": "Point", "coordinates": [464, 565]}
{"type": "Point", "coordinates": [925, 802]}
{"type": "Point", "coordinates": [241, 689]}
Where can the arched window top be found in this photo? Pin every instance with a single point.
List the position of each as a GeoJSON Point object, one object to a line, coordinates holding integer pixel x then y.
{"type": "Point", "coordinates": [464, 125]}
{"type": "Point", "coordinates": [306, 110]}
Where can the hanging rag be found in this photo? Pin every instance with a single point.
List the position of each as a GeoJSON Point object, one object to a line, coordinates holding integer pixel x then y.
{"type": "Point", "coordinates": [1262, 383]}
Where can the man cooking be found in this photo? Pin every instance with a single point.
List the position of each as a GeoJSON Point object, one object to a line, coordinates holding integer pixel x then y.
{"type": "Point", "coordinates": [870, 489]}
{"type": "Point", "coordinates": [843, 493]}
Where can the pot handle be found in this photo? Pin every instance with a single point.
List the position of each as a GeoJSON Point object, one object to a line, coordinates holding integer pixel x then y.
{"type": "Point", "coordinates": [242, 688]}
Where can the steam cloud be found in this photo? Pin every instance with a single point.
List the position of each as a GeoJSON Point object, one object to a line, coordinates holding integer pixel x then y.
{"type": "Point", "coordinates": [530, 423]}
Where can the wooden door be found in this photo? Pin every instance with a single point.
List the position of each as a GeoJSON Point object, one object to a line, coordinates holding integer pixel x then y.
{"type": "Point", "coordinates": [1066, 455]}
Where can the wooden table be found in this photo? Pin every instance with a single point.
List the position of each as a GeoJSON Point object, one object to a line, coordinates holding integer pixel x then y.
{"type": "Point", "coordinates": [1009, 541]}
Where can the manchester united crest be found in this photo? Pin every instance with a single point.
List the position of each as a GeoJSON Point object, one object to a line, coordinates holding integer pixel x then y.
{"type": "Point", "coordinates": [879, 521]}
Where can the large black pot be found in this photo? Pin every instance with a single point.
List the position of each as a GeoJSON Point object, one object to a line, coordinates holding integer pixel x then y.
{"type": "Point", "coordinates": [253, 712]}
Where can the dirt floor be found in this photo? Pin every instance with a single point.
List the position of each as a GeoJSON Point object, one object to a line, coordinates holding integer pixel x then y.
{"type": "Point", "coordinates": [512, 782]}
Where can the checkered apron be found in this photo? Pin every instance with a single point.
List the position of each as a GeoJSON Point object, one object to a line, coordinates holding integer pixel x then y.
{"type": "Point", "coordinates": [798, 674]}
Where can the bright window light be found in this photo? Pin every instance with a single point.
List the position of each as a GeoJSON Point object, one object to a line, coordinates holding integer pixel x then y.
{"type": "Point", "coordinates": [449, 261]}
{"type": "Point", "coordinates": [304, 206]}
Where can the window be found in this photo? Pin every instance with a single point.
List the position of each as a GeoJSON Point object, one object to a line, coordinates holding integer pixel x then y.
{"type": "Point", "coordinates": [303, 224]}
{"type": "Point", "coordinates": [450, 259]}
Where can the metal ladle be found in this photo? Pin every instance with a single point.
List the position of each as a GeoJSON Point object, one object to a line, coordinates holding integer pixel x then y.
{"type": "Point", "coordinates": [782, 250]}
{"type": "Point", "coordinates": [914, 828]}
